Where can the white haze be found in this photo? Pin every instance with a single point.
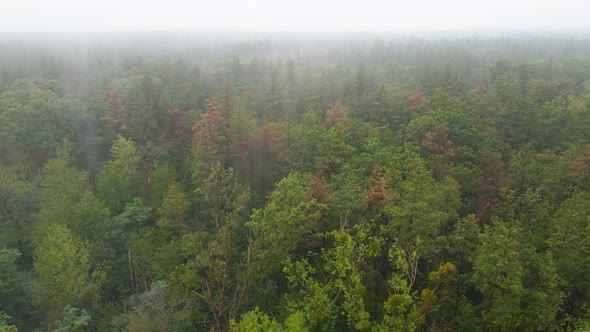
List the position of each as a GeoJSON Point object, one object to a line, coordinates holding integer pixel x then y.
{"type": "Point", "coordinates": [293, 16]}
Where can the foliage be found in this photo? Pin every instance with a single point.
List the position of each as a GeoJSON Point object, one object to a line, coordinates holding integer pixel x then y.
{"type": "Point", "coordinates": [67, 273]}
{"type": "Point", "coordinates": [62, 186]}
{"type": "Point", "coordinates": [4, 327]}
{"type": "Point", "coordinates": [286, 225]}
{"type": "Point", "coordinates": [73, 320]}
{"type": "Point", "coordinates": [387, 185]}
{"type": "Point", "coordinates": [118, 179]}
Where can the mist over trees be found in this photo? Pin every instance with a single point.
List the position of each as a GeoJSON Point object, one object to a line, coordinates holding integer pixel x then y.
{"type": "Point", "coordinates": [176, 182]}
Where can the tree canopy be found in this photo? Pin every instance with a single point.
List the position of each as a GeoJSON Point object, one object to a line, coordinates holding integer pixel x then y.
{"type": "Point", "coordinates": [295, 185]}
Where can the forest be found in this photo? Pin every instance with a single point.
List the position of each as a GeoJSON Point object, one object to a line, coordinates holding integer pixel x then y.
{"type": "Point", "coordinates": [161, 182]}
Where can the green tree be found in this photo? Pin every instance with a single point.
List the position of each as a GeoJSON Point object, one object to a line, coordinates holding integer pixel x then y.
{"type": "Point", "coordinates": [9, 281]}
{"type": "Point", "coordinates": [420, 206]}
{"type": "Point", "coordinates": [73, 320]}
{"type": "Point", "coordinates": [4, 325]}
{"type": "Point", "coordinates": [18, 200]}
{"type": "Point", "coordinates": [35, 121]}
{"type": "Point", "coordinates": [8, 259]}
{"type": "Point", "coordinates": [498, 274]}
{"type": "Point", "coordinates": [216, 265]}
{"type": "Point", "coordinates": [124, 265]}
{"type": "Point", "coordinates": [91, 219]}
{"type": "Point", "coordinates": [285, 226]}
{"type": "Point", "coordinates": [172, 212]}
{"type": "Point", "coordinates": [402, 310]}
{"type": "Point", "coordinates": [255, 320]}
{"type": "Point", "coordinates": [157, 310]}
{"type": "Point", "coordinates": [333, 150]}
{"type": "Point", "coordinates": [143, 112]}
{"type": "Point", "coordinates": [336, 301]}
{"type": "Point", "coordinates": [62, 185]}
{"type": "Point", "coordinates": [462, 247]}
{"type": "Point", "coordinates": [119, 178]}
{"type": "Point", "coordinates": [541, 297]}
{"type": "Point", "coordinates": [570, 249]}
{"type": "Point", "coordinates": [67, 275]}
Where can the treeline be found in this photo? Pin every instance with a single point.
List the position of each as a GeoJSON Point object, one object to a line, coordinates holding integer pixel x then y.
{"type": "Point", "coordinates": [433, 185]}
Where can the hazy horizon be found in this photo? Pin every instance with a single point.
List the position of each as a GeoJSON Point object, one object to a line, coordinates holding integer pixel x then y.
{"type": "Point", "coordinates": [293, 17]}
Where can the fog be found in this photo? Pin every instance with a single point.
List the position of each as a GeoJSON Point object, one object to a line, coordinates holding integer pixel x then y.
{"type": "Point", "coordinates": [292, 16]}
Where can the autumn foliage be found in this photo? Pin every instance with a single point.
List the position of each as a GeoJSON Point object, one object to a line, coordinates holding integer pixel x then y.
{"type": "Point", "coordinates": [209, 136]}
{"type": "Point", "coordinates": [113, 116]}
{"type": "Point", "coordinates": [416, 99]}
{"type": "Point", "coordinates": [337, 117]}
{"type": "Point", "coordinates": [176, 128]}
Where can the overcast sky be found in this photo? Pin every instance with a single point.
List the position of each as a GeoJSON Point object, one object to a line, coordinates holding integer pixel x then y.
{"type": "Point", "coordinates": [292, 15]}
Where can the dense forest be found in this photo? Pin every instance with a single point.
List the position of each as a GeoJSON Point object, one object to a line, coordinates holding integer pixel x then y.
{"type": "Point", "coordinates": [167, 183]}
